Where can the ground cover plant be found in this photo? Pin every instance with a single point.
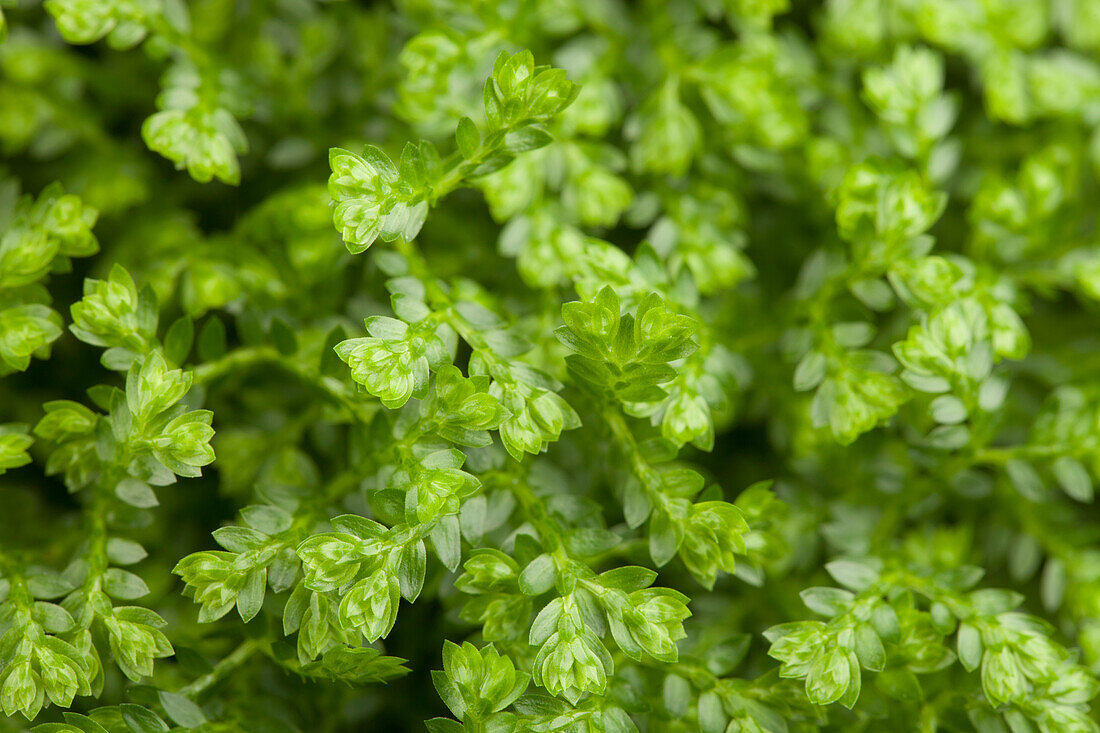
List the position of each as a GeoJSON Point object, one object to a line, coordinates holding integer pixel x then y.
{"type": "Point", "coordinates": [549, 365]}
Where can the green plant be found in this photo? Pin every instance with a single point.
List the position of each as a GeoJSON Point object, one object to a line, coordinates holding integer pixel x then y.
{"type": "Point", "coordinates": [724, 366]}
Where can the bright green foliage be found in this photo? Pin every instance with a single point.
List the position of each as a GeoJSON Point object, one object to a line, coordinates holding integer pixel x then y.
{"type": "Point", "coordinates": [393, 363]}
{"type": "Point", "coordinates": [81, 21]}
{"type": "Point", "coordinates": [377, 199]}
{"type": "Point", "coordinates": [476, 683]}
{"type": "Point", "coordinates": [36, 236]}
{"type": "Point", "coordinates": [14, 442]}
{"type": "Point", "coordinates": [194, 129]}
{"type": "Point", "coordinates": [205, 143]}
{"type": "Point", "coordinates": [907, 95]}
{"type": "Point", "coordinates": [487, 400]}
{"type": "Point", "coordinates": [628, 357]}
{"type": "Point", "coordinates": [880, 625]}
{"type": "Point", "coordinates": [144, 438]}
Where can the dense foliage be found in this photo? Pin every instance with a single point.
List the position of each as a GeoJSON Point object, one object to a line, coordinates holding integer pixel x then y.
{"type": "Point", "coordinates": [727, 366]}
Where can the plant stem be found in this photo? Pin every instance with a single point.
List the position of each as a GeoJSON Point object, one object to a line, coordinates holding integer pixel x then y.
{"type": "Point", "coordinates": [227, 665]}
{"type": "Point", "coordinates": [250, 357]}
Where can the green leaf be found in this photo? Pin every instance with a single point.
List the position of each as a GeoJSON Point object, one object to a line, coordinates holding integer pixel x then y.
{"type": "Point", "coordinates": [446, 539]}
{"type": "Point", "coordinates": [969, 647]}
{"type": "Point", "coordinates": [468, 138]}
{"type": "Point", "coordinates": [1074, 478]}
{"type": "Point", "coordinates": [212, 340]}
{"type": "Point", "coordinates": [47, 584]}
{"type": "Point", "coordinates": [182, 711]}
{"type": "Point", "coordinates": [83, 723]}
{"type": "Point", "coordinates": [283, 337]}
{"type": "Point", "coordinates": [124, 585]}
{"type": "Point", "coordinates": [665, 537]}
{"type": "Point", "coordinates": [410, 570]}
{"type": "Point", "coordinates": [539, 576]}
{"type": "Point", "coordinates": [810, 371]}
{"type": "Point", "coordinates": [829, 678]}
{"type": "Point", "coordinates": [1026, 479]}
{"type": "Point", "coordinates": [712, 718]}
{"type": "Point", "coordinates": [1054, 582]}
{"type": "Point", "coordinates": [121, 551]}
{"type": "Point", "coordinates": [869, 649]}
{"type": "Point", "coordinates": [531, 137]}
{"type": "Point", "coordinates": [628, 579]}
{"type": "Point", "coordinates": [251, 597]}
{"type": "Point", "coordinates": [178, 340]}
{"type": "Point", "coordinates": [136, 493]}
{"type": "Point", "coordinates": [53, 618]}
{"type": "Point", "coordinates": [827, 601]}
{"type": "Point", "coordinates": [676, 695]}
{"type": "Point", "coordinates": [858, 575]}
{"type": "Point", "coordinates": [141, 720]}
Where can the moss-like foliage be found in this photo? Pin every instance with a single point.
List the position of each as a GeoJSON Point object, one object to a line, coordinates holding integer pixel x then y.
{"type": "Point", "coordinates": [669, 366]}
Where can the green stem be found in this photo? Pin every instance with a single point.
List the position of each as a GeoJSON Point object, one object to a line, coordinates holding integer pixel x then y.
{"type": "Point", "coordinates": [251, 357]}
{"type": "Point", "coordinates": [224, 668]}
{"type": "Point", "coordinates": [1000, 456]}
{"type": "Point", "coordinates": [534, 508]}
{"type": "Point", "coordinates": [445, 307]}
{"type": "Point", "coordinates": [96, 554]}
{"type": "Point", "coordinates": [246, 357]}
{"type": "Point", "coordinates": [641, 467]}
{"type": "Point", "coordinates": [18, 594]}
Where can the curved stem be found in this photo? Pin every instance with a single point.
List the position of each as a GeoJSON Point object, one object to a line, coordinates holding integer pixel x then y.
{"type": "Point", "coordinates": [640, 465]}
{"type": "Point", "coordinates": [251, 357]}
{"type": "Point", "coordinates": [223, 669]}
